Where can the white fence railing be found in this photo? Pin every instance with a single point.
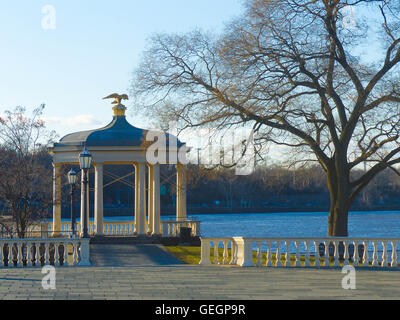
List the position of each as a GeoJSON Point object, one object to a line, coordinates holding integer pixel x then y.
{"type": "Point", "coordinates": [300, 252]}
{"type": "Point", "coordinates": [40, 252]}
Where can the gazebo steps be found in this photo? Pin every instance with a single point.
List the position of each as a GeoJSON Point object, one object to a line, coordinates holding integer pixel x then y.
{"type": "Point", "coordinates": [194, 241]}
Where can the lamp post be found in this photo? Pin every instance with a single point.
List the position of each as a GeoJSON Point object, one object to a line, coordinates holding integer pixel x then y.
{"type": "Point", "coordinates": [72, 178]}
{"type": "Point", "coordinates": [85, 159]}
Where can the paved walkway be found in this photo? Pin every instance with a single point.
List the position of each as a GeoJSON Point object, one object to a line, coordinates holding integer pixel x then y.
{"type": "Point", "coordinates": [197, 282]}
{"type": "Point", "coordinates": [125, 255]}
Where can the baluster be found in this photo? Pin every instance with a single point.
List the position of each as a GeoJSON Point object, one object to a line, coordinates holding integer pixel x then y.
{"type": "Point", "coordinates": [10, 255]}
{"type": "Point", "coordinates": [384, 254]}
{"type": "Point", "coordinates": [278, 254]}
{"type": "Point", "coordinates": [56, 254]}
{"type": "Point", "coordinates": [216, 253]}
{"type": "Point", "coordinates": [287, 255]}
{"type": "Point", "coordinates": [64, 254]}
{"type": "Point", "coordinates": [336, 254]}
{"type": "Point", "coordinates": [355, 255]}
{"type": "Point", "coordinates": [29, 255]}
{"type": "Point", "coordinates": [365, 257]}
{"type": "Point", "coordinates": [375, 254]}
{"type": "Point", "coordinates": [233, 253]}
{"type": "Point", "coordinates": [75, 255]}
{"type": "Point", "coordinates": [346, 260]}
{"type": "Point", "coordinates": [316, 245]}
{"type": "Point", "coordinates": [268, 263]}
{"type": "Point", "coordinates": [393, 263]}
{"type": "Point", "coordinates": [225, 261]}
{"type": "Point", "coordinates": [327, 261]}
{"type": "Point", "coordinates": [37, 252]}
{"type": "Point", "coordinates": [19, 255]}
{"type": "Point", "coordinates": [258, 243]}
{"type": "Point", "coordinates": [298, 262]}
{"type": "Point", "coordinates": [45, 254]}
{"type": "Point", "coordinates": [1, 255]}
{"type": "Point", "coordinates": [307, 257]}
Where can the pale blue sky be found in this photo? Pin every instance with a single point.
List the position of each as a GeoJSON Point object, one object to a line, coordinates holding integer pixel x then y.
{"type": "Point", "coordinates": [92, 52]}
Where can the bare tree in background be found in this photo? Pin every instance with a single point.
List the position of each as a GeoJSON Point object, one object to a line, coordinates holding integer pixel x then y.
{"type": "Point", "coordinates": [301, 75]}
{"type": "Point", "coordinates": [25, 169]}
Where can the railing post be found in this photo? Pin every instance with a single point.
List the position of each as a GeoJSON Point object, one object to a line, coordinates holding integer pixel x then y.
{"type": "Point", "coordinates": [205, 251]}
{"type": "Point", "coordinates": [84, 253]}
{"type": "Point", "coordinates": [244, 252]}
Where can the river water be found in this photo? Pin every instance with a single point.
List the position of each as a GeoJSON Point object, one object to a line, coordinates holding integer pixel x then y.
{"type": "Point", "coordinates": [379, 224]}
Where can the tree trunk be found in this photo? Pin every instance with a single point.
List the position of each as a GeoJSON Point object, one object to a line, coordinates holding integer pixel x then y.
{"type": "Point", "coordinates": [339, 189]}
{"type": "Point", "coordinates": [338, 219]}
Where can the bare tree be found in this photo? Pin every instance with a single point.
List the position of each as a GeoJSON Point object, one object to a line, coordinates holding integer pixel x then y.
{"type": "Point", "coordinates": [25, 168]}
{"type": "Point", "coordinates": [297, 72]}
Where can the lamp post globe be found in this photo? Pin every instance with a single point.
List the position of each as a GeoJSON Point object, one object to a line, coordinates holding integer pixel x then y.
{"type": "Point", "coordinates": [85, 159]}
{"type": "Point", "coordinates": [72, 177]}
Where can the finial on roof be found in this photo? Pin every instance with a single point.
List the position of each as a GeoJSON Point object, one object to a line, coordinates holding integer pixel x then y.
{"type": "Point", "coordinates": [119, 108]}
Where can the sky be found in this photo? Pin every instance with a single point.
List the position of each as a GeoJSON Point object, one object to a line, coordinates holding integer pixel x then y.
{"type": "Point", "coordinates": [71, 54]}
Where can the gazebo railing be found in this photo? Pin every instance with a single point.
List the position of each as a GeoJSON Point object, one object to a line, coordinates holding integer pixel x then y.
{"type": "Point", "coordinates": [170, 228]}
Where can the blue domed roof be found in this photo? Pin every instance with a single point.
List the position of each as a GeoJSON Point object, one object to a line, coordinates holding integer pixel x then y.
{"type": "Point", "coordinates": [118, 133]}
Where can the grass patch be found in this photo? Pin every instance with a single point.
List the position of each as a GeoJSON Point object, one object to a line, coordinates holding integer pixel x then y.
{"type": "Point", "coordinates": [186, 254]}
{"type": "Point", "coordinates": [192, 255]}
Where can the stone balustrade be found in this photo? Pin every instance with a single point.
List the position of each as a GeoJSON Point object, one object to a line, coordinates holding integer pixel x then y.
{"type": "Point", "coordinates": [300, 252]}
{"type": "Point", "coordinates": [170, 228]}
{"type": "Point", "coordinates": [40, 252]}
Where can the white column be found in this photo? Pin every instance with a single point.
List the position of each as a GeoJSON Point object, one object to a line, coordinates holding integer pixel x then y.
{"type": "Point", "coordinates": [150, 202]}
{"type": "Point", "coordinates": [180, 192]}
{"type": "Point", "coordinates": [140, 198]}
{"type": "Point", "coordinates": [56, 199]}
{"type": "Point", "coordinates": [156, 199]}
{"type": "Point", "coordinates": [98, 198]}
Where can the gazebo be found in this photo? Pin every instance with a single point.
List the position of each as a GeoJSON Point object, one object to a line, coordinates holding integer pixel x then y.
{"type": "Point", "coordinates": [118, 143]}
